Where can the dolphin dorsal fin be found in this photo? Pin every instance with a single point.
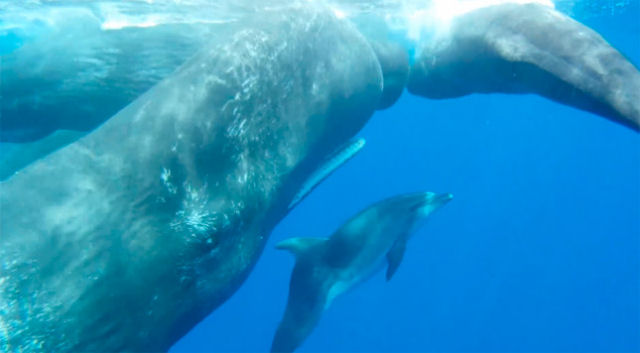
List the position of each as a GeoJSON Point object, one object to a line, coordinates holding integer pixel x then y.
{"type": "Point", "coordinates": [339, 157]}
{"type": "Point", "coordinates": [394, 257]}
{"type": "Point", "coordinates": [300, 245]}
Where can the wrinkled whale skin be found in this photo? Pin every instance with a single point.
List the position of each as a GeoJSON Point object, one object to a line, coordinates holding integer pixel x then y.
{"type": "Point", "coordinates": [513, 48]}
{"type": "Point", "coordinates": [125, 239]}
{"type": "Point", "coordinates": [394, 62]}
{"type": "Point", "coordinates": [44, 91]}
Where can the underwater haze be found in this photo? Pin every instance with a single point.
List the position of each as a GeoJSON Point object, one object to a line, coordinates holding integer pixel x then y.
{"type": "Point", "coordinates": [539, 251]}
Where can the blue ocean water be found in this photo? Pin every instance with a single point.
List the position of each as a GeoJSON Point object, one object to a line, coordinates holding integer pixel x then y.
{"type": "Point", "coordinates": [538, 251]}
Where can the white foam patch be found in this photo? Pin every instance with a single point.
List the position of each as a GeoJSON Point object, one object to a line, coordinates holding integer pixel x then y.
{"type": "Point", "coordinates": [113, 18]}
{"type": "Point", "coordinates": [121, 23]}
{"type": "Point", "coordinates": [437, 16]}
{"type": "Point", "coordinates": [339, 13]}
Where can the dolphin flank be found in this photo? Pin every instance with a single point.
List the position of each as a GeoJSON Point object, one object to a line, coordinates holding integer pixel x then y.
{"type": "Point", "coordinates": [327, 267]}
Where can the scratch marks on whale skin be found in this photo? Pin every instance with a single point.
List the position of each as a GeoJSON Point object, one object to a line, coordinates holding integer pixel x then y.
{"type": "Point", "coordinates": [165, 176]}
{"type": "Point", "coordinates": [193, 215]}
{"type": "Point", "coordinates": [18, 302]}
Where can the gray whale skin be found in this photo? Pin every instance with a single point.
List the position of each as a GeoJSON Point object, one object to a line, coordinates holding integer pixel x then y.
{"type": "Point", "coordinates": [125, 239]}
{"type": "Point", "coordinates": [531, 48]}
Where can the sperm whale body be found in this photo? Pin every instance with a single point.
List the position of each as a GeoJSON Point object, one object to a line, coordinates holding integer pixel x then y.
{"type": "Point", "coordinates": [126, 238]}
{"type": "Point", "coordinates": [122, 251]}
{"type": "Point", "coordinates": [530, 48]}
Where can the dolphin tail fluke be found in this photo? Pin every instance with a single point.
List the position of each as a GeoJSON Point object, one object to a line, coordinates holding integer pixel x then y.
{"type": "Point", "coordinates": [294, 329]}
{"type": "Point", "coordinates": [307, 296]}
{"type": "Point", "coordinates": [279, 344]}
{"type": "Point", "coordinates": [300, 319]}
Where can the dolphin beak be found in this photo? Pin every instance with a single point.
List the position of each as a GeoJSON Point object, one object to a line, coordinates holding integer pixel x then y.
{"type": "Point", "coordinates": [443, 198]}
{"type": "Point", "coordinates": [433, 201]}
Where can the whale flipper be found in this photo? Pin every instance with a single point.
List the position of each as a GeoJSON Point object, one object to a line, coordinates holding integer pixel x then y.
{"type": "Point", "coordinates": [394, 257]}
{"type": "Point", "coordinates": [338, 158]}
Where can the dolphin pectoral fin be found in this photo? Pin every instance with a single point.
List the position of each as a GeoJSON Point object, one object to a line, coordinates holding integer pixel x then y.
{"type": "Point", "coordinates": [300, 245]}
{"type": "Point", "coordinates": [394, 257]}
{"type": "Point", "coordinates": [339, 157]}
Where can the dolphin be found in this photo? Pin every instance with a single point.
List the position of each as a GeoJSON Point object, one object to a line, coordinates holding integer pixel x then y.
{"type": "Point", "coordinates": [126, 238]}
{"type": "Point", "coordinates": [327, 267]}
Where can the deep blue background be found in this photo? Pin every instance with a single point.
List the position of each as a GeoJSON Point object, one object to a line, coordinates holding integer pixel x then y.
{"type": "Point", "coordinates": [538, 251]}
